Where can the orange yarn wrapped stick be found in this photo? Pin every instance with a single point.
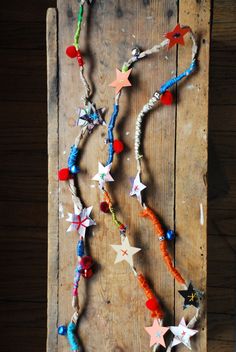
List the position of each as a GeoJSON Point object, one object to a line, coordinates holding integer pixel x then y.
{"type": "Point", "coordinates": [163, 244]}
{"type": "Point", "coordinates": [158, 312]}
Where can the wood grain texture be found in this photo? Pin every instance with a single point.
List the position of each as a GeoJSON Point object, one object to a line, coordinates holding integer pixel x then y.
{"type": "Point", "coordinates": [191, 162]}
{"type": "Point", "coordinates": [117, 28]}
{"type": "Point", "coordinates": [53, 204]}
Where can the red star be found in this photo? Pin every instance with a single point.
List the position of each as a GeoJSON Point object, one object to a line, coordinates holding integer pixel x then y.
{"type": "Point", "coordinates": [177, 35]}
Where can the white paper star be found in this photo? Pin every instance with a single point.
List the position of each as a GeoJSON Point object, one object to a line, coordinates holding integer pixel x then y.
{"type": "Point", "coordinates": [80, 220]}
{"type": "Point", "coordinates": [137, 187]}
{"type": "Point", "coordinates": [103, 174]}
{"type": "Point", "coordinates": [125, 251]}
{"type": "Point", "coordinates": [182, 334]}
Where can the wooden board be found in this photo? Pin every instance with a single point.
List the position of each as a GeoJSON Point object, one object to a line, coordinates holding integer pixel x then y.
{"type": "Point", "coordinates": [176, 159]}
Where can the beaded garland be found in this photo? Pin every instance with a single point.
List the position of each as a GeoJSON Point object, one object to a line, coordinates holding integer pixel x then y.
{"type": "Point", "coordinates": [88, 118]}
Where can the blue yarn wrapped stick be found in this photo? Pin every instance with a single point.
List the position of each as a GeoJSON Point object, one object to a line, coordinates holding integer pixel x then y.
{"type": "Point", "coordinates": [71, 331]}
{"type": "Point", "coordinates": [174, 80]}
{"type": "Point", "coordinates": [110, 137]}
{"type": "Point", "coordinates": [72, 160]}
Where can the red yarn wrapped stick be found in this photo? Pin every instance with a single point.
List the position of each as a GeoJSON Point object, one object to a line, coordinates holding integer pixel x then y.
{"type": "Point", "coordinates": [152, 302]}
{"type": "Point", "coordinates": [148, 213]}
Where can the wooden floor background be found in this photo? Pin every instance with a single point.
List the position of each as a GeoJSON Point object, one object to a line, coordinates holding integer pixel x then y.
{"type": "Point", "coordinates": [23, 177]}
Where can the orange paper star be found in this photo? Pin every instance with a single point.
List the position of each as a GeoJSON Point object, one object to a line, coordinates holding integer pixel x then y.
{"type": "Point", "coordinates": [121, 80]}
{"type": "Point", "coordinates": [176, 36]}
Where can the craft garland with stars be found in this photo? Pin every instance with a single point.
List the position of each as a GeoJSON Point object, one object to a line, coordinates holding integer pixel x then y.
{"type": "Point", "coordinates": [164, 95]}
{"type": "Point", "coordinates": [88, 118]}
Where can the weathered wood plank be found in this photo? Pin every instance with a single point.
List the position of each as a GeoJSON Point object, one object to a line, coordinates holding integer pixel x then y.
{"type": "Point", "coordinates": [124, 23]}
{"type": "Point", "coordinates": [53, 204]}
{"type": "Point", "coordinates": [122, 28]}
{"type": "Point", "coordinates": [26, 245]}
{"type": "Point", "coordinates": [221, 221]}
{"type": "Point", "coordinates": [219, 346]}
{"type": "Point", "coordinates": [221, 327]}
{"type": "Point", "coordinates": [29, 11]}
{"type": "Point", "coordinates": [221, 300]}
{"type": "Point", "coordinates": [224, 11]}
{"type": "Point", "coordinates": [23, 74]}
{"type": "Point", "coordinates": [191, 162]}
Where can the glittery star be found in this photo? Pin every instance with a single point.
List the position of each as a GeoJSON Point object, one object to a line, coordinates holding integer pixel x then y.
{"type": "Point", "coordinates": [137, 188]}
{"type": "Point", "coordinates": [190, 296]}
{"type": "Point", "coordinates": [176, 36]}
{"type": "Point", "coordinates": [156, 331]}
{"type": "Point", "coordinates": [103, 174]}
{"type": "Point", "coordinates": [121, 80]}
{"type": "Point", "coordinates": [125, 251]}
{"type": "Point", "coordinates": [182, 334]}
{"type": "Point", "coordinates": [80, 220]}
{"type": "Point", "coordinates": [90, 116]}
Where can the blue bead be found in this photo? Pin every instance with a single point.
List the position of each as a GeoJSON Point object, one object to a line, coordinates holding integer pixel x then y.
{"type": "Point", "coordinates": [80, 248]}
{"type": "Point", "coordinates": [170, 235]}
{"type": "Point", "coordinates": [74, 169]}
{"type": "Point", "coordinates": [62, 330]}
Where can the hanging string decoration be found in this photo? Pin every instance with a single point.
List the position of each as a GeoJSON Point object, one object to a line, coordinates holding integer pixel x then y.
{"type": "Point", "coordinates": [88, 118]}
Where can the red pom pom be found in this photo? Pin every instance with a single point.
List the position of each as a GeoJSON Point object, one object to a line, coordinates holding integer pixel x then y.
{"type": "Point", "coordinates": [87, 273]}
{"type": "Point", "coordinates": [64, 174]}
{"type": "Point", "coordinates": [152, 304]}
{"type": "Point", "coordinates": [167, 98]}
{"type": "Point", "coordinates": [118, 146]}
{"type": "Point", "coordinates": [80, 58]}
{"type": "Point", "coordinates": [71, 51]}
{"type": "Point", "coordinates": [104, 206]}
{"type": "Point", "coordinates": [86, 262]}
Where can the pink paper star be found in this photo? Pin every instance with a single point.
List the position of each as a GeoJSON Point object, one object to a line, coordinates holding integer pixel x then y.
{"type": "Point", "coordinates": [121, 80]}
{"type": "Point", "coordinates": [156, 331]}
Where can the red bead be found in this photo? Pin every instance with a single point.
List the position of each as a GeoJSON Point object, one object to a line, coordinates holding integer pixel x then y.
{"type": "Point", "coordinates": [167, 98]}
{"type": "Point", "coordinates": [104, 207]}
{"type": "Point", "coordinates": [87, 273]}
{"type": "Point", "coordinates": [86, 262]}
{"type": "Point", "coordinates": [152, 304]}
{"type": "Point", "coordinates": [64, 174]}
{"type": "Point", "coordinates": [71, 51]}
{"type": "Point", "coordinates": [80, 59]}
{"type": "Point", "coordinates": [118, 146]}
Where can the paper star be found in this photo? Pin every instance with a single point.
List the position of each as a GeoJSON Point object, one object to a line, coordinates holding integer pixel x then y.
{"type": "Point", "coordinates": [182, 334]}
{"type": "Point", "coordinates": [80, 220]}
{"type": "Point", "coordinates": [191, 297]}
{"type": "Point", "coordinates": [90, 116]}
{"type": "Point", "coordinates": [176, 36]}
{"type": "Point", "coordinates": [137, 187]}
{"type": "Point", "coordinates": [121, 80]}
{"type": "Point", "coordinates": [103, 174]}
{"type": "Point", "coordinates": [156, 331]}
{"type": "Point", "coordinates": [125, 251]}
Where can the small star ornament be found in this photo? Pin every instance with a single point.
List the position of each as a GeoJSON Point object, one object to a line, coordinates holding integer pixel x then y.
{"type": "Point", "coordinates": [90, 117]}
{"type": "Point", "coordinates": [121, 80]}
{"type": "Point", "coordinates": [103, 174]}
{"type": "Point", "coordinates": [191, 297]}
{"type": "Point", "coordinates": [80, 220]}
{"type": "Point", "coordinates": [125, 251]}
{"type": "Point", "coordinates": [156, 331]}
{"type": "Point", "coordinates": [137, 188]}
{"type": "Point", "coordinates": [176, 36]}
{"type": "Point", "coordinates": [182, 334]}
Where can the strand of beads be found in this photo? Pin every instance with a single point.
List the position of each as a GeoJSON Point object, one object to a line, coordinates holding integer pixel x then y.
{"type": "Point", "coordinates": [195, 296]}
{"type": "Point", "coordinates": [88, 118]}
{"type": "Point", "coordinates": [166, 98]}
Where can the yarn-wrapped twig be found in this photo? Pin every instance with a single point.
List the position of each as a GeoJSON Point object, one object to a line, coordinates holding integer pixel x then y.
{"type": "Point", "coordinates": [148, 213]}
{"type": "Point", "coordinates": [158, 312]}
